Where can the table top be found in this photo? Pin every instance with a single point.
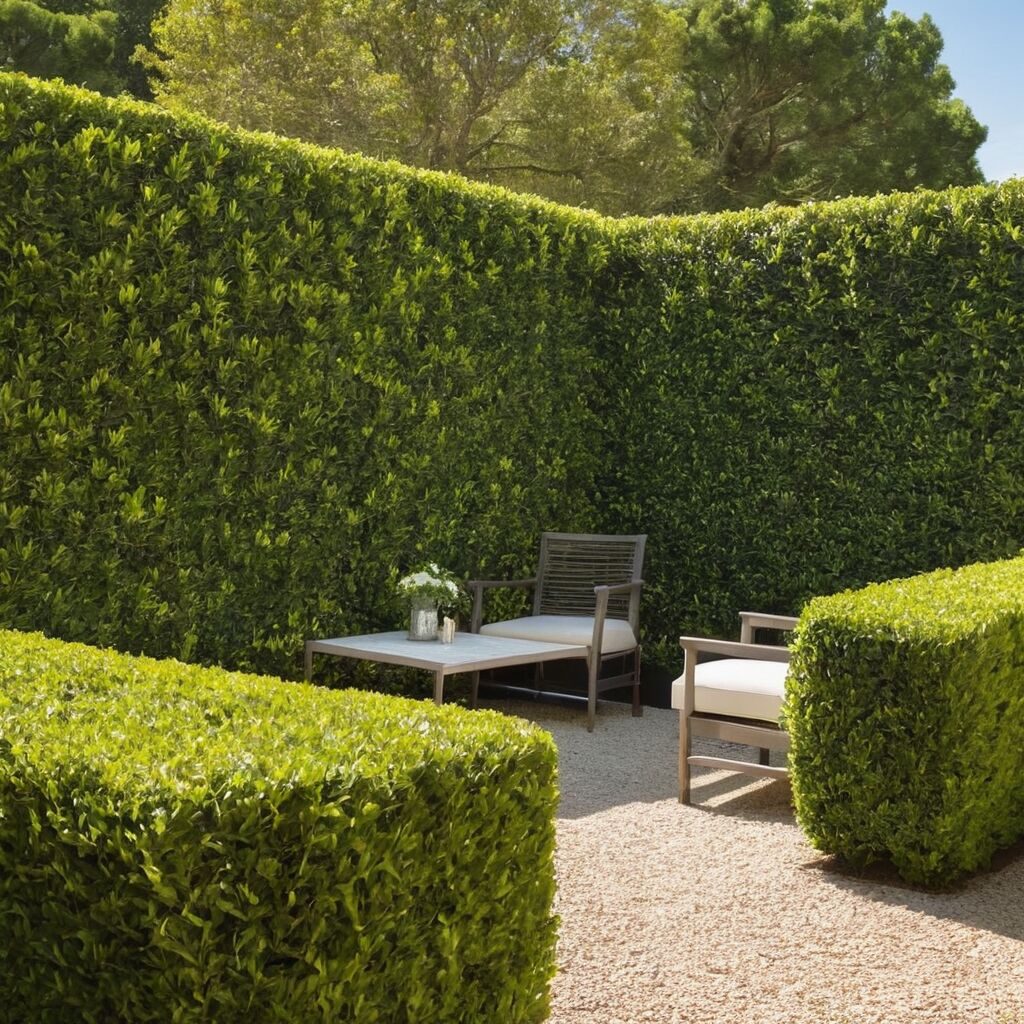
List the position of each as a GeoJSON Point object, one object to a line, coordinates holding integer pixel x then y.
{"type": "Point", "coordinates": [469, 652]}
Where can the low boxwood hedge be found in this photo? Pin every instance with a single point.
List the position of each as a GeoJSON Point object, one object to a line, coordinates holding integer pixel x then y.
{"type": "Point", "coordinates": [188, 844]}
{"type": "Point", "coordinates": [906, 709]}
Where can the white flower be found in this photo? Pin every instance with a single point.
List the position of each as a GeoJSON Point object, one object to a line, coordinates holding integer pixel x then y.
{"type": "Point", "coordinates": [431, 581]}
{"type": "Point", "coordinates": [419, 579]}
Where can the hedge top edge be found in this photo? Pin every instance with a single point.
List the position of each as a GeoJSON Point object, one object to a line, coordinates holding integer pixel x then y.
{"type": "Point", "coordinates": [13, 84]}
{"type": "Point", "coordinates": [945, 605]}
{"type": "Point", "coordinates": [148, 727]}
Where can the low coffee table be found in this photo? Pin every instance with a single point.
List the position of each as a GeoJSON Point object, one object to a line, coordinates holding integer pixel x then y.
{"type": "Point", "coordinates": [470, 652]}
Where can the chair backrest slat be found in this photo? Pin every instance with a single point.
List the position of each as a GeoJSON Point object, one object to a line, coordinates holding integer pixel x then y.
{"type": "Point", "coordinates": [572, 564]}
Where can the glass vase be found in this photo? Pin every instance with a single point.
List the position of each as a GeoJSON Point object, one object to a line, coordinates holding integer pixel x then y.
{"type": "Point", "coordinates": [423, 619]}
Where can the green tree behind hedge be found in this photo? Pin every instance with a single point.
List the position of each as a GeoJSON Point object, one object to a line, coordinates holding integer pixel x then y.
{"type": "Point", "coordinates": [788, 100]}
{"type": "Point", "coordinates": [78, 47]}
{"type": "Point", "coordinates": [436, 84]}
{"type": "Point", "coordinates": [86, 42]}
{"type": "Point", "coordinates": [642, 106]}
{"type": "Point", "coordinates": [134, 30]}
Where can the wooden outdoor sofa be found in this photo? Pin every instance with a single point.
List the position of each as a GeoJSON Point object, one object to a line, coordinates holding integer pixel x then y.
{"type": "Point", "coordinates": [737, 698]}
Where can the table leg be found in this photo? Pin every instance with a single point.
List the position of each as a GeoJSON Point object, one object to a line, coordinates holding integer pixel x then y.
{"type": "Point", "coordinates": [439, 686]}
{"type": "Point", "coordinates": [475, 690]}
{"type": "Point", "coordinates": [309, 661]}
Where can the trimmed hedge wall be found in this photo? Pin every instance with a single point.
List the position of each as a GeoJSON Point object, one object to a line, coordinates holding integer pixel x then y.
{"type": "Point", "coordinates": [187, 844]}
{"type": "Point", "coordinates": [905, 703]}
{"type": "Point", "coordinates": [245, 382]}
{"type": "Point", "coordinates": [815, 399]}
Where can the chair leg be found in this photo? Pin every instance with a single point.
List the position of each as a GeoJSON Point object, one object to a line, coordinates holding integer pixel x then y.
{"type": "Point", "coordinates": [765, 757]}
{"type": "Point", "coordinates": [638, 709]}
{"type": "Point", "coordinates": [593, 663]}
{"type": "Point", "coordinates": [538, 677]}
{"type": "Point", "coordinates": [684, 764]}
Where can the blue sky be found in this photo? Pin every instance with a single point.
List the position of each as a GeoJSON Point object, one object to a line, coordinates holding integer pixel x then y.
{"type": "Point", "coordinates": [984, 49]}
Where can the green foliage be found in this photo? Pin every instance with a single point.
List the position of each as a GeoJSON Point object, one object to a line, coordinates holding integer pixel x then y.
{"type": "Point", "coordinates": [906, 709]}
{"type": "Point", "coordinates": [639, 106]}
{"type": "Point", "coordinates": [813, 399]}
{"type": "Point", "coordinates": [75, 46]}
{"type": "Point", "coordinates": [134, 32]}
{"type": "Point", "coordinates": [180, 843]}
{"type": "Point", "coordinates": [436, 84]}
{"type": "Point", "coordinates": [603, 126]}
{"type": "Point", "coordinates": [789, 100]}
{"type": "Point", "coordinates": [247, 384]}
{"type": "Point", "coordinates": [88, 42]}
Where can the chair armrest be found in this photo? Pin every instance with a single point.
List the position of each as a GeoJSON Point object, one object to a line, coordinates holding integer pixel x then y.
{"type": "Point", "coordinates": [477, 588]}
{"type": "Point", "coordinates": [731, 649]}
{"type": "Point", "coordinates": [749, 621]}
{"type": "Point", "coordinates": [601, 594]}
{"type": "Point", "coordinates": [617, 588]}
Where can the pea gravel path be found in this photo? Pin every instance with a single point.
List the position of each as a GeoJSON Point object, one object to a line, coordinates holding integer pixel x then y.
{"type": "Point", "coordinates": [721, 913]}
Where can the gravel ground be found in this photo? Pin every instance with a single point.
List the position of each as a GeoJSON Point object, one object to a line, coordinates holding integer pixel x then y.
{"type": "Point", "coordinates": [722, 912]}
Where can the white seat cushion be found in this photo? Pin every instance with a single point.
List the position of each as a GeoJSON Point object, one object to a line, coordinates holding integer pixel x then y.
{"type": "Point", "coordinates": [738, 687]}
{"type": "Point", "coordinates": [565, 629]}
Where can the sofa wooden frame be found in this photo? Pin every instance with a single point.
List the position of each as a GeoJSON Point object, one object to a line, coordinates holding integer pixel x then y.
{"type": "Point", "coordinates": [767, 736]}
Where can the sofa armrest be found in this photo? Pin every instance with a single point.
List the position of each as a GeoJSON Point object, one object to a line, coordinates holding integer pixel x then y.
{"type": "Point", "coordinates": [731, 649]}
{"type": "Point", "coordinates": [749, 621]}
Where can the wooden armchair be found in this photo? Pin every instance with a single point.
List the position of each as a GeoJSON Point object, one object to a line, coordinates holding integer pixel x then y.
{"type": "Point", "coordinates": [737, 698]}
{"type": "Point", "coordinates": [586, 592]}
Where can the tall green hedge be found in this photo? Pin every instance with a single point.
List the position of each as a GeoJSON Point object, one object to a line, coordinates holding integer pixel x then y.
{"type": "Point", "coordinates": [187, 844]}
{"type": "Point", "coordinates": [905, 703]}
{"type": "Point", "coordinates": [817, 398]}
{"type": "Point", "coordinates": [244, 382]}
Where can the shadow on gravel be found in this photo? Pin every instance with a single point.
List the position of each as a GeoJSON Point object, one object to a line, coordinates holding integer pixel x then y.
{"type": "Point", "coordinates": [635, 760]}
{"type": "Point", "coordinates": [740, 796]}
{"type": "Point", "coordinates": [990, 901]}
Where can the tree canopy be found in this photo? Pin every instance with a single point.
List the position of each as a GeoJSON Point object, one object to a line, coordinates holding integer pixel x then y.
{"type": "Point", "coordinates": [78, 47]}
{"type": "Point", "coordinates": [85, 42]}
{"type": "Point", "coordinates": [636, 106]}
{"type": "Point", "coordinates": [788, 100]}
{"type": "Point", "coordinates": [435, 83]}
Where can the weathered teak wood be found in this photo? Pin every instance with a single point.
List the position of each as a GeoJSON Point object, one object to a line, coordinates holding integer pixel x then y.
{"type": "Point", "coordinates": [766, 736]}
{"type": "Point", "coordinates": [749, 621]}
{"type": "Point", "coordinates": [739, 730]}
{"type": "Point", "coordinates": [593, 575]}
{"type": "Point", "coordinates": [745, 767]}
{"type": "Point", "coordinates": [572, 565]}
{"type": "Point", "coordinates": [732, 649]}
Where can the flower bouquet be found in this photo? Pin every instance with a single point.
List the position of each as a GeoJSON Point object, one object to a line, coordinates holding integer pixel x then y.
{"type": "Point", "coordinates": [427, 588]}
